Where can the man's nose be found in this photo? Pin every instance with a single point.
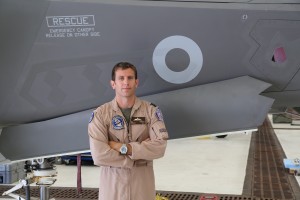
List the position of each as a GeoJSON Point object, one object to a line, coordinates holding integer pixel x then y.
{"type": "Point", "coordinates": [126, 81]}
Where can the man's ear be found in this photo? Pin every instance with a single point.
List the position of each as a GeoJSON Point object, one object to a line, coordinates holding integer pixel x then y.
{"type": "Point", "coordinates": [136, 83]}
{"type": "Point", "coordinates": [113, 84]}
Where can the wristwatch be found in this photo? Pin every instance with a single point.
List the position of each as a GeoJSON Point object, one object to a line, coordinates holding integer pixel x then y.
{"type": "Point", "coordinates": [123, 149]}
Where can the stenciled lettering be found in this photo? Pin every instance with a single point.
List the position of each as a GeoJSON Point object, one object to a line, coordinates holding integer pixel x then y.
{"type": "Point", "coordinates": [65, 21]}
{"type": "Point", "coordinates": [78, 26]}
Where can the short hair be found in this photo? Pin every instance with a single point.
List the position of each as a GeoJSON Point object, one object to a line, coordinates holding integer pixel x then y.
{"type": "Point", "coordinates": [123, 66]}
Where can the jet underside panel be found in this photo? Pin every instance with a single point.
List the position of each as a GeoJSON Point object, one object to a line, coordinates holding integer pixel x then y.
{"type": "Point", "coordinates": [229, 105]}
{"type": "Point", "coordinates": [290, 98]}
{"type": "Point", "coordinates": [51, 137]}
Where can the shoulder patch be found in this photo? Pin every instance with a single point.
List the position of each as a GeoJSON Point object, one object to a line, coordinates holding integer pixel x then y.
{"type": "Point", "coordinates": [159, 114]}
{"type": "Point", "coordinates": [91, 117]}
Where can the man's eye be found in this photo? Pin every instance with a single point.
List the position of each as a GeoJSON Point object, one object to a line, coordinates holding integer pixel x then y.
{"type": "Point", "coordinates": [121, 78]}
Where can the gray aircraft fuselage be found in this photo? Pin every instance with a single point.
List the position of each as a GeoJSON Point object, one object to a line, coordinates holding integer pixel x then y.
{"type": "Point", "coordinates": [204, 63]}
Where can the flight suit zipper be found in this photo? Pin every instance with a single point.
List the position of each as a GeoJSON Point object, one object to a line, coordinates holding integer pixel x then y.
{"type": "Point", "coordinates": [128, 130]}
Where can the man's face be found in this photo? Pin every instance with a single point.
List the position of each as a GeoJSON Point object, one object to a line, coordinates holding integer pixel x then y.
{"type": "Point", "coordinates": [125, 83]}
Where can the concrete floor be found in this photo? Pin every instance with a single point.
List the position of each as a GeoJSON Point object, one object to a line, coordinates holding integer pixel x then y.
{"type": "Point", "coordinates": [190, 165]}
{"type": "Point", "coordinates": [289, 138]}
{"type": "Point", "coordinates": [197, 164]}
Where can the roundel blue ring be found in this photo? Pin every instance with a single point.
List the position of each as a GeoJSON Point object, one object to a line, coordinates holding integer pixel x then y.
{"type": "Point", "coordinates": [117, 122]}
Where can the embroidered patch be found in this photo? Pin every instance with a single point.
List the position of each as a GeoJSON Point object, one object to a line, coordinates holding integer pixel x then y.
{"type": "Point", "coordinates": [162, 130]}
{"type": "Point", "coordinates": [117, 122]}
{"type": "Point", "coordinates": [91, 117]}
{"type": "Point", "coordinates": [159, 115]}
{"type": "Point", "coordinates": [161, 134]}
{"type": "Point", "coordinates": [138, 120]}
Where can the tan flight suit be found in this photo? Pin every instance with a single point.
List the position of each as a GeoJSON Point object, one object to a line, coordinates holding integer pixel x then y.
{"type": "Point", "coordinates": [124, 177]}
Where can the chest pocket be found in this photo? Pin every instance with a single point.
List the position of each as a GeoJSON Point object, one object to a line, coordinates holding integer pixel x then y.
{"type": "Point", "coordinates": [139, 127]}
{"type": "Point", "coordinates": [116, 135]}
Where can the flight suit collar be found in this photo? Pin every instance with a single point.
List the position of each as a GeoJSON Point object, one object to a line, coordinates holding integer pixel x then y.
{"type": "Point", "coordinates": [136, 105]}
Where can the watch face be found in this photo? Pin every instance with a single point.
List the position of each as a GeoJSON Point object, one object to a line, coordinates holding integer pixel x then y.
{"type": "Point", "coordinates": [123, 149]}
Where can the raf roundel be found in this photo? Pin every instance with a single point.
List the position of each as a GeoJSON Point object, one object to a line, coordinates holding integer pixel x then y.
{"type": "Point", "coordinates": [181, 42]}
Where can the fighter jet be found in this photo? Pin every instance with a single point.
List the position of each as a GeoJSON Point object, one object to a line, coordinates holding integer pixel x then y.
{"type": "Point", "coordinates": [211, 66]}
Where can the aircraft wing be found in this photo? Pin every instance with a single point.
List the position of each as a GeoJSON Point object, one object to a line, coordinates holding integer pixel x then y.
{"type": "Point", "coordinates": [234, 104]}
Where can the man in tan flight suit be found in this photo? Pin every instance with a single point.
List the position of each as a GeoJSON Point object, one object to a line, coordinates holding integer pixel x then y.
{"type": "Point", "coordinates": [126, 135]}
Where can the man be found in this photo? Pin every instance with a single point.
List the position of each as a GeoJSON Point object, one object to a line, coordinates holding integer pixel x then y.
{"type": "Point", "coordinates": [126, 135]}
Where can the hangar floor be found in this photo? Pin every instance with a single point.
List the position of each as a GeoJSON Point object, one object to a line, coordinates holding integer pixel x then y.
{"type": "Point", "coordinates": [236, 167]}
